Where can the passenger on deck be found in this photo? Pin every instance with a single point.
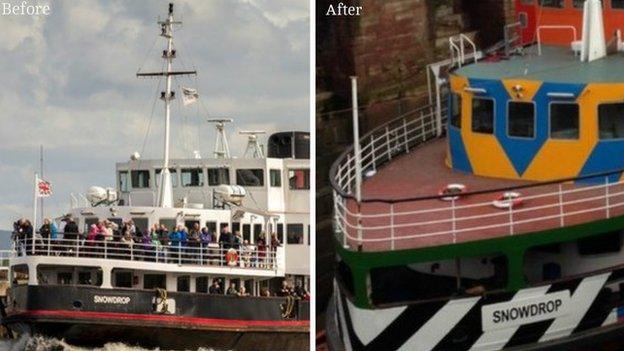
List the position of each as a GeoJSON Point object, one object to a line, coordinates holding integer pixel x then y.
{"type": "Point", "coordinates": [237, 240]}
{"type": "Point", "coordinates": [274, 241]}
{"type": "Point", "coordinates": [70, 232]}
{"type": "Point", "coordinates": [265, 292]}
{"type": "Point", "coordinates": [128, 241]}
{"type": "Point", "coordinates": [225, 238]}
{"type": "Point", "coordinates": [194, 241]}
{"type": "Point", "coordinates": [286, 289]}
{"type": "Point", "coordinates": [109, 229]}
{"type": "Point", "coordinates": [46, 229]}
{"type": "Point", "coordinates": [94, 230]}
{"type": "Point", "coordinates": [206, 236]}
{"type": "Point", "coordinates": [215, 288]}
{"type": "Point", "coordinates": [243, 292]}
{"type": "Point", "coordinates": [163, 235]}
{"type": "Point", "coordinates": [232, 289]}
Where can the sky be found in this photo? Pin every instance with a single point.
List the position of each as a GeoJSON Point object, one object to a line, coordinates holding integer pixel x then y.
{"type": "Point", "coordinates": [70, 85]}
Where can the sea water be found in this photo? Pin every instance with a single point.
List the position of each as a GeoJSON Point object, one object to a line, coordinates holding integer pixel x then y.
{"type": "Point", "coordinates": [40, 343]}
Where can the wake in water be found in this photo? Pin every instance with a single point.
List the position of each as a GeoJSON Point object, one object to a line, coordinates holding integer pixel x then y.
{"type": "Point", "coordinates": [40, 343]}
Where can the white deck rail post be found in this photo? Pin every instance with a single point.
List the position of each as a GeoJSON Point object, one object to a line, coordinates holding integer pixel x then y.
{"type": "Point", "coordinates": [373, 157]}
{"type": "Point", "coordinates": [561, 215]}
{"type": "Point", "coordinates": [454, 224]}
{"type": "Point", "coordinates": [511, 223]}
{"type": "Point", "coordinates": [607, 197]}
{"type": "Point", "coordinates": [392, 226]}
{"type": "Point", "coordinates": [358, 157]}
{"type": "Point", "coordinates": [388, 143]}
{"type": "Point", "coordinates": [405, 135]}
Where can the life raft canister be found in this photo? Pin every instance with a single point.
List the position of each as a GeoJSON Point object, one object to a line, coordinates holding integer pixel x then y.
{"type": "Point", "coordinates": [231, 257]}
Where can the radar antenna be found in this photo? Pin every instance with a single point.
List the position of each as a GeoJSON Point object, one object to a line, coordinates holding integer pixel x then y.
{"type": "Point", "coordinates": [254, 149]}
{"type": "Point", "coordinates": [221, 149]}
{"type": "Point", "coordinates": [165, 192]}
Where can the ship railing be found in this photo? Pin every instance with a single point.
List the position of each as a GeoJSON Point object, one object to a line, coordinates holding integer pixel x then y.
{"type": "Point", "coordinates": [202, 254]}
{"type": "Point", "coordinates": [390, 224]}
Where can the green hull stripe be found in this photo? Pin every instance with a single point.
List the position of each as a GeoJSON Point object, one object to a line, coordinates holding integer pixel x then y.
{"type": "Point", "coordinates": [513, 246]}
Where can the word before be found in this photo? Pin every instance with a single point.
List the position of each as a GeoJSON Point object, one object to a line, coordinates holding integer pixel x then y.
{"type": "Point", "coordinates": [24, 9]}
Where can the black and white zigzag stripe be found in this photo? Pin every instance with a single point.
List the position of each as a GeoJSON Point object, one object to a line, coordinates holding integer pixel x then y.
{"type": "Point", "coordinates": [456, 324]}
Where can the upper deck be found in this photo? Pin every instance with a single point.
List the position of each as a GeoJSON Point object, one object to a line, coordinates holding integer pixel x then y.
{"type": "Point", "coordinates": [401, 208]}
{"type": "Point", "coordinates": [556, 64]}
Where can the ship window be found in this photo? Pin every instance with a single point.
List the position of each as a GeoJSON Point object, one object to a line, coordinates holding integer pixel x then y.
{"type": "Point", "coordinates": [123, 279]}
{"type": "Point", "coordinates": [564, 120]}
{"type": "Point", "coordinates": [201, 285]}
{"type": "Point", "coordinates": [483, 115]}
{"type": "Point", "coordinates": [299, 179]}
{"type": "Point", "coordinates": [169, 223]}
{"type": "Point", "coordinates": [579, 3]}
{"type": "Point", "coordinates": [543, 263]}
{"type": "Point", "coordinates": [611, 121]}
{"type": "Point", "coordinates": [19, 274]}
{"type": "Point", "coordinates": [455, 117]}
{"type": "Point", "coordinates": [153, 281]}
{"type": "Point", "coordinates": [257, 230]}
{"type": "Point", "coordinates": [276, 177]}
{"type": "Point", "coordinates": [84, 278]}
{"type": "Point", "coordinates": [247, 232]}
{"type": "Point", "coordinates": [521, 119]}
{"type": "Point", "coordinates": [141, 224]}
{"type": "Point", "coordinates": [551, 3]}
{"type": "Point", "coordinates": [218, 176]}
{"type": "Point", "coordinates": [88, 222]}
{"type": "Point", "coordinates": [192, 177]}
{"type": "Point", "coordinates": [64, 278]}
{"type": "Point", "coordinates": [280, 232]}
{"type": "Point", "coordinates": [123, 182]}
{"type": "Point", "coordinates": [184, 283]}
{"type": "Point", "coordinates": [610, 242]}
{"type": "Point", "coordinates": [173, 175]}
{"type": "Point", "coordinates": [294, 233]}
{"type": "Point", "coordinates": [212, 226]}
{"type": "Point", "coordinates": [438, 279]}
{"type": "Point", "coordinates": [617, 4]}
{"type": "Point", "coordinates": [250, 177]}
{"type": "Point", "coordinates": [140, 179]}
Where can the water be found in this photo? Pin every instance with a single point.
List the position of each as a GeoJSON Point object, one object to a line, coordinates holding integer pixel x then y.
{"type": "Point", "coordinates": [40, 343]}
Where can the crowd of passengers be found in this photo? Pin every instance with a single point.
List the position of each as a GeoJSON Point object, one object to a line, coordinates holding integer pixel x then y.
{"type": "Point", "coordinates": [287, 289]}
{"type": "Point", "coordinates": [157, 242]}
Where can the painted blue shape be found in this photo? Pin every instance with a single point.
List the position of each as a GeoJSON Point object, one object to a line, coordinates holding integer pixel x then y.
{"type": "Point", "coordinates": [522, 151]}
{"type": "Point", "coordinates": [605, 157]}
{"type": "Point", "coordinates": [459, 156]}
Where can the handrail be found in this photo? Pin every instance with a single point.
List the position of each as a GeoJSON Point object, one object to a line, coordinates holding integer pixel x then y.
{"type": "Point", "coordinates": [214, 254]}
{"type": "Point", "coordinates": [539, 28]}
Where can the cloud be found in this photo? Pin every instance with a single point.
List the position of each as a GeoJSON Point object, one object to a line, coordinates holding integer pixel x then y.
{"type": "Point", "coordinates": [70, 86]}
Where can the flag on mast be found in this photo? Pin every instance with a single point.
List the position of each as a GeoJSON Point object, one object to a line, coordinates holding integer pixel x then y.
{"type": "Point", "coordinates": [44, 188]}
{"type": "Point", "coordinates": [189, 96]}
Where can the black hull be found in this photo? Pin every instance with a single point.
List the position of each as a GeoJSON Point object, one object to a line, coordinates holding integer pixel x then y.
{"type": "Point", "coordinates": [199, 320]}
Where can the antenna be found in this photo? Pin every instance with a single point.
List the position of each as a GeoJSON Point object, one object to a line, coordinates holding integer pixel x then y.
{"type": "Point", "coordinates": [254, 149]}
{"type": "Point", "coordinates": [165, 191]}
{"type": "Point", "coordinates": [221, 149]}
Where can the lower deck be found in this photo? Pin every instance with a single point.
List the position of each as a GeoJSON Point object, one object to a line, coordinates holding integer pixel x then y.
{"type": "Point", "coordinates": [403, 220]}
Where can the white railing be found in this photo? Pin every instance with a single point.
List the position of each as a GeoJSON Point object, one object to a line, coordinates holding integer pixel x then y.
{"type": "Point", "coordinates": [213, 254]}
{"type": "Point", "coordinates": [558, 27]}
{"type": "Point", "coordinates": [390, 224]}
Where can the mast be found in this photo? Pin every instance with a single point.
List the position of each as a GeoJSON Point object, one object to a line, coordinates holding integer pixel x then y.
{"type": "Point", "coordinates": [221, 148]}
{"type": "Point", "coordinates": [165, 192]}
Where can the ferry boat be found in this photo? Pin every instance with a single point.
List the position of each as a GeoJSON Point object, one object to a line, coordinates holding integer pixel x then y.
{"type": "Point", "coordinates": [493, 217]}
{"type": "Point", "coordinates": [92, 290]}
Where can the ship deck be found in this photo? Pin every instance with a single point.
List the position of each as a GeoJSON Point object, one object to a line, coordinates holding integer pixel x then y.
{"type": "Point", "coordinates": [409, 224]}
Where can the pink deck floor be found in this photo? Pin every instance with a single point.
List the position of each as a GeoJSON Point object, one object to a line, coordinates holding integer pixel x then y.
{"type": "Point", "coordinates": [423, 172]}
